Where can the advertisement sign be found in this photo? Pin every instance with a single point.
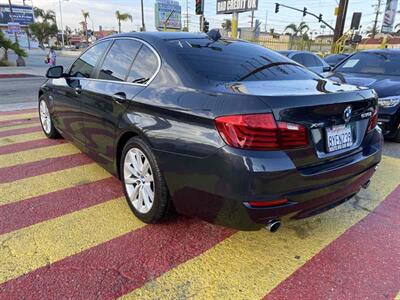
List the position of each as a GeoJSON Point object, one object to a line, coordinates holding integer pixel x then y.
{"type": "Point", "coordinates": [14, 27]}
{"type": "Point", "coordinates": [22, 14]}
{"type": "Point", "coordinates": [390, 14]}
{"type": "Point", "coordinates": [165, 9]}
{"type": "Point", "coordinates": [231, 6]}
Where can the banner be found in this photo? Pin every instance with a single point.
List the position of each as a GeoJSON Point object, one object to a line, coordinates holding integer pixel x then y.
{"type": "Point", "coordinates": [390, 14]}
{"type": "Point", "coordinates": [165, 9]}
{"type": "Point", "coordinates": [231, 6]}
{"type": "Point", "coordinates": [22, 14]}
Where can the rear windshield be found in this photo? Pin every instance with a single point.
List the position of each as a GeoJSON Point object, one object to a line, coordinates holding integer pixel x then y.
{"type": "Point", "coordinates": [236, 61]}
{"type": "Point", "coordinates": [372, 63]}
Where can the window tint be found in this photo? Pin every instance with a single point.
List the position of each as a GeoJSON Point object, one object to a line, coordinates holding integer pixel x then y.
{"type": "Point", "coordinates": [144, 67]}
{"type": "Point", "coordinates": [84, 65]}
{"type": "Point", "coordinates": [298, 58]}
{"type": "Point", "coordinates": [119, 60]}
{"type": "Point", "coordinates": [227, 61]}
{"type": "Point", "coordinates": [311, 61]}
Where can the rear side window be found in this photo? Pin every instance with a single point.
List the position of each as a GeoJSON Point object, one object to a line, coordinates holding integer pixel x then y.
{"type": "Point", "coordinates": [144, 66]}
{"type": "Point", "coordinates": [299, 58]}
{"type": "Point", "coordinates": [119, 60]}
{"type": "Point", "coordinates": [227, 61]}
{"type": "Point", "coordinates": [311, 61]}
{"type": "Point", "coordinates": [84, 65]}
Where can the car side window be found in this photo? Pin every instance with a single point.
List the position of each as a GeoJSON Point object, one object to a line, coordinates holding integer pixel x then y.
{"type": "Point", "coordinates": [85, 64]}
{"type": "Point", "coordinates": [144, 66]}
{"type": "Point", "coordinates": [311, 61]}
{"type": "Point", "coordinates": [298, 58]}
{"type": "Point", "coordinates": [119, 59]}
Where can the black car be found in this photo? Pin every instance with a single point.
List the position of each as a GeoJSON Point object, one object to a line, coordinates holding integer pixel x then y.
{"type": "Point", "coordinates": [378, 70]}
{"type": "Point", "coordinates": [334, 59]}
{"type": "Point", "coordinates": [225, 130]}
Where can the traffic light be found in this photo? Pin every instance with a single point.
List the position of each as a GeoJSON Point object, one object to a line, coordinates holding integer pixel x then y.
{"type": "Point", "coordinates": [206, 26]}
{"type": "Point", "coordinates": [276, 8]}
{"type": "Point", "coordinates": [320, 18]}
{"type": "Point", "coordinates": [199, 7]}
{"type": "Point", "coordinates": [305, 11]}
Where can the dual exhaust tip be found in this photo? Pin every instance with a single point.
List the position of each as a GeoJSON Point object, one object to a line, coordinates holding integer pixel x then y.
{"type": "Point", "coordinates": [273, 225]}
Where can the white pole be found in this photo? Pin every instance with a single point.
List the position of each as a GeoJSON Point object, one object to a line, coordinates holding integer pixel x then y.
{"type": "Point", "coordinates": [62, 27]}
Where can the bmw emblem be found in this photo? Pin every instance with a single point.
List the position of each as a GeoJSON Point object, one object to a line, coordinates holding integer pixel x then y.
{"type": "Point", "coordinates": [347, 114]}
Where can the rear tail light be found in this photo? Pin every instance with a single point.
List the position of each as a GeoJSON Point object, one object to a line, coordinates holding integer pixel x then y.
{"type": "Point", "coordinates": [260, 132]}
{"type": "Point", "coordinates": [373, 121]}
{"type": "Point", "coordinates": [268, 203]}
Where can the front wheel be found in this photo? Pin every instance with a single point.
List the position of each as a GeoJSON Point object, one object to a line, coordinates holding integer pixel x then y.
{"type": "Point", "coordinates": [144, 185]}
{"type": "Point", "coordinates": [45, 120]}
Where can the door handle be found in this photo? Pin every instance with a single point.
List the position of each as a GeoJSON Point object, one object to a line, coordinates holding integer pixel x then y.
{"type": "Point", "coordinates": [119, 97]}
{"type": "Point", "coordinates": [78, 91]}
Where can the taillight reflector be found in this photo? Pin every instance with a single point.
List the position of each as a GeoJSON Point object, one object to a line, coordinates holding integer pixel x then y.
{"type": "Point", "coordinates": [268, 203]}
{"type": "Point", "coordinates": [373, 121]}
{"type": "Point", "coordinates": [260, 132]}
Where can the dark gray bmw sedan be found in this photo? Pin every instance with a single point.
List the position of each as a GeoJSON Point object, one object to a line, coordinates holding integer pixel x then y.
{"type": "Point", "coordinates": [229, 131]}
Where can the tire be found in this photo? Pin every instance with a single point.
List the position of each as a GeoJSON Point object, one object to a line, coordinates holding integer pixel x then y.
{"type": "Point", "coordinates": [46, 121]}
{"type": "Point", "coordinates": [144, 185]}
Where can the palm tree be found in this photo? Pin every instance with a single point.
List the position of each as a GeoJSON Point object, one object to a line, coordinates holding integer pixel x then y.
{"type": "Point", "coordinates": [121, 17]}
{"type": "Point", "coordinates": [45, 16]}
{"type": "Point", "coordinates": [300, 29]}
{"type": "Point", "coordinates": [7, 45]}
{"type": "Point", "coordinates": [85, 15]}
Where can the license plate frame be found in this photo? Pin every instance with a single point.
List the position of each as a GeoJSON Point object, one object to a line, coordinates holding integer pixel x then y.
{"type": "Point", "coordinates": [339, 137]}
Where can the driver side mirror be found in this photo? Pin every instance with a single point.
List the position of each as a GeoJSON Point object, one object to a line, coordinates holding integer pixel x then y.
{"type": "Point", "coordinates": [55, 72]}
{"type": "Point", "coordinates": [327, 69]}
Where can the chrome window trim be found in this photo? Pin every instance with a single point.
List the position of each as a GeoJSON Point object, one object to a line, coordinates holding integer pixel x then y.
{"type": "Point", "coordinates": [124, 82]}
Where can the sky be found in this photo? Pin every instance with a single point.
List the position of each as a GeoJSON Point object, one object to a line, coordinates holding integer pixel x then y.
{"type": "Point", "coordinates": [102, 12]}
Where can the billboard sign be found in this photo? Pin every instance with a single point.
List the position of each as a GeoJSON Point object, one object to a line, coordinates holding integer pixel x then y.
{"type": "Point", "coordinates": [14, 27]}
{"type": "Point", "coordinates": [390, 14]}
{"type": "Point", "coordinates": [22, 14]}
{"type": "Point", "coordinates": [231, 6]}
{"type": "Point", "coordinates": [165, 9]}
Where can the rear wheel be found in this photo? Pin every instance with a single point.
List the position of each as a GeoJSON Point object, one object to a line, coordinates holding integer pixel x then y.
{"type": "Point", "coordinates": [45, 120]}
{"type": "Point", "coordinates": [144, 185]}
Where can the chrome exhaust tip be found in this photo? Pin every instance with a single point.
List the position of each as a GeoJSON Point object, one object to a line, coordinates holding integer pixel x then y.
{"type": "Point", "coordinates": [273, 225]}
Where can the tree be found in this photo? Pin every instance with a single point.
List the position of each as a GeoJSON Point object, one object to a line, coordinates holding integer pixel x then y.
{"type": "Point", "coordinates": [227, 25]}
{"type": "Point", "coordinates": [85, 15]}
{"type": "Point", "coordinates": [7, 45]}
{"type": "Point", "coordinates": [44, 16]}
{"type": "Point", "coordinates": [297, 30]}
{"type": "Point", "coordinates": [45, 26]}
{"type": "Point", "coordinates": [122, 17]}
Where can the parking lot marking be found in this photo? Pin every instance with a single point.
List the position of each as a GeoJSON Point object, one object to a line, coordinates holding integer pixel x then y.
{"type": "Point", "coordinates": [337, 271]}
{"type": "Point", "coordinates": [18, 126]}
{"type": "Point", "coordinates": [257, 261]}
{"type": "Point", "coordinates": [21, 138]}
{"type": "Point", "coordinates": [18, 112]}
{"type": "Point", "coordinates": [28, 156]}
{"type": "Point", "coordinates": [19, 129]}
{"type": "Point", "coordinates": [41, 244]}
{"type": "Point", "coordinates": [122, 264]}
{"type": "Point", "coordinates": [17, 116]}
{"type": "Point", "coordinates": [18, 122]}
{"type": "Point", "coordinates": [36, 168]}
{"type": "Point", "coordinates": [45, 142]}
{"type": "Point", "coordinates": [34, 186]}
{"type": "Point", "coordinates": [45, 207]}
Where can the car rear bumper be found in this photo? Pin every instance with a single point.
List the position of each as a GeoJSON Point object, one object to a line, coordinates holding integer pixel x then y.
{"type": "Point", "coordinates": [218, 188]}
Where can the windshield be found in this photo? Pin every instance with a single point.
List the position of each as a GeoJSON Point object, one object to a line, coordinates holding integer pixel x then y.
{"type": "Point", "coordinates": [228, 61]}
{"type": "Point", "coordinates": [372, 63]}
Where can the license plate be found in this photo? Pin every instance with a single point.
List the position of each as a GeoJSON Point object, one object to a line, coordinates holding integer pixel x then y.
{"type": "Point", "coordinates": [339, 137]}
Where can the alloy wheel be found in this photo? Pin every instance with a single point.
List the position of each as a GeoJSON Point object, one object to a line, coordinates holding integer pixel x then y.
{"type": "Point", "coordinates": [45, 117]}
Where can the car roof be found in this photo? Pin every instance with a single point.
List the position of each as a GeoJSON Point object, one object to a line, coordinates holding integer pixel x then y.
{"type": "Point", "coordinates": [157, 35]}
{"type": "Point", "coordinates": [383, 51]}
{"type": "Point", "coordinates": [295, 51]}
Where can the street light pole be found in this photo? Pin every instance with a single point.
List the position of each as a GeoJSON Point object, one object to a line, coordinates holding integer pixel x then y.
{"type": "Point", "coordinates": [62, 27]}
{"type": "Point", "coordinates": [143, 25]}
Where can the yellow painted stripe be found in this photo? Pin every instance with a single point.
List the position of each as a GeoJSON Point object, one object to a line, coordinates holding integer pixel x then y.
{"type": "Point", "coordinates": [39, 245]}
{"type": "Point", "coordinates": [35, 186]}
{"type": "Point", "coordinates": [19, 116]}
{"type": "Point", "coordinates": [248, 265]}
{"type": "Point", "coordinates": [23, 157]}
{"type": "Point", "coordinates": [397, 297]}
{"type": "Point", "coordinates": [19, 126]}
{"type": "Point", "coordinates": [20, 138]}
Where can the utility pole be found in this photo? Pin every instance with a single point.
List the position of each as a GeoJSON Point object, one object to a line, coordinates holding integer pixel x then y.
{"type": "Point", "coordinates": [266, 19]}
{"type": "Point", "coordinates": [340, 20]}
{"type": "Point", "coordinates": [235, 22]}
{"type": "Point", "coordinates": [143, 25]}
{"type": "Point", "coordinates": [377, 13]}
{"type": "Point", "coordinates": [62, 28]}
{"type": "Point", "coordinates": [252, 19]}
{"type": "Point", "coordinates": [187, 14]}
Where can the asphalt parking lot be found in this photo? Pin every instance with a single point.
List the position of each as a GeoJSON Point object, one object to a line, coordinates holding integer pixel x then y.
{"type": "Point", "coordinates": [67, 232]}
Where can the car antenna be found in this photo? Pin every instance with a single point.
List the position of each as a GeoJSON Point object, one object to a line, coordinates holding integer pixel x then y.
{"type": "Point", "coordinates": [214, 34]}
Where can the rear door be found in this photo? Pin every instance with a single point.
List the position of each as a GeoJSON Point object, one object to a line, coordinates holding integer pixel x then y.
{"type": "Point", "coordinates": [67, 94]}
{"type": "Point", "coordinates": [119, 78]}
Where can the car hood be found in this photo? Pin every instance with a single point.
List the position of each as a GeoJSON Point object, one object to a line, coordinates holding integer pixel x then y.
{"type": "Point", "coordinates": [288, 87]}
{"type": "Point", "coordinates": [385, 86]}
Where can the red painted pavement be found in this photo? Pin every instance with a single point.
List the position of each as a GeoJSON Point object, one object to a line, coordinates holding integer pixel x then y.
{"type": "Point", "coordinates": [120, 265]}
{"type": "Point", "coordinates": [8, 76]}
{"type": "Point", "coordinates": [38, 209]}
{"type": "Point", "coordinates": [20, 131]}
{"type": "Point", "coordinates": [9, 174]}
{"type": "Point", "coordinates": [363, 263]}
{"type": "Point", "coordinates": [45, 142]}
{"type": "Point", "coordinates": [18, 112]}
